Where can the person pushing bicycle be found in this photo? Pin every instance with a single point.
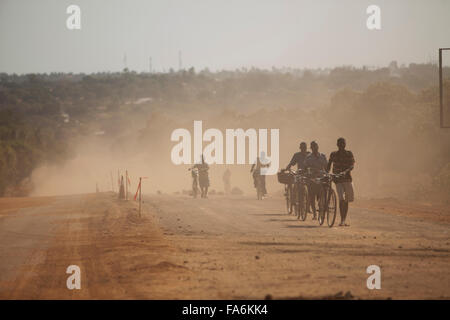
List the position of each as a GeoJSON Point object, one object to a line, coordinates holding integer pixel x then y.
{"type": "Point", "coordinates": [315, 164]}
{"type": "Point", "coordinates": [299, 159]}
{"type": "Point", "coordinates": [203, 177]}
{"type": "Point", "coordinates": [343, 163]}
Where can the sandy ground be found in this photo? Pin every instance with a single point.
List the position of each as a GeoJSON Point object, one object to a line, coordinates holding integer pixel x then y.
{"type": "Point", "coordinates": [217, 248]}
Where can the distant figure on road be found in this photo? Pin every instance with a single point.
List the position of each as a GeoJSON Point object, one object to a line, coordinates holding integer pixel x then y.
{"type": "Point", "coordinates": [256, 172]}
{"type": "Point", "coordinates": [227, 181]}
{"type": "Point", "coordinates": [203, 177]}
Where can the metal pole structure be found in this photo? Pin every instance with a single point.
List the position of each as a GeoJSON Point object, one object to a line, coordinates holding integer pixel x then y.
{"type": "Point", "coordinates": [441, 89]}
{"type": "Point", "coordinates": [441, 93]}
{"type": "Point", "coordinates": [140, 195]}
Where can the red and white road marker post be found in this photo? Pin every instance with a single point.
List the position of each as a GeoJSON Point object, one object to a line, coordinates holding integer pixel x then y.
{"type": "Point", "coordinates": [139, 190]}
{"type": "Point", "coordinates": [127, 181]}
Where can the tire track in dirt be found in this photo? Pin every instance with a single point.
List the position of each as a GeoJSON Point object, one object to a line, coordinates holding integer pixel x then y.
{"type": "Point", "coordinates": [120, 255]}
{"type": "Point", "coordinates": [252, 249]}
{"type": "Point", "coordinates": [217, 248]}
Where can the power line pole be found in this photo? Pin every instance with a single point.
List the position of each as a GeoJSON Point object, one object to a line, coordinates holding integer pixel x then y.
{"type": "Point", "coordinates": [150, 64]}
{"type": "Point", "coordinates": [180, 63]}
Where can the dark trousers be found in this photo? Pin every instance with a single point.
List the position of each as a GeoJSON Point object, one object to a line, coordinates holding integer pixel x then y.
{"type": "Point", "coordinates": [314, 192]}
{"type": "Point", "coordinates": [262, 179]}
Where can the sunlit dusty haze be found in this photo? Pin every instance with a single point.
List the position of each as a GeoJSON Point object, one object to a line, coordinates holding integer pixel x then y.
{"type": "Point", "coordinates": [216, 34]}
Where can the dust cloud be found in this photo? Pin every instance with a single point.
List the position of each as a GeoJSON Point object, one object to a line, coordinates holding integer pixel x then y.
{"type": "Point", "coordinates": [392, 154]}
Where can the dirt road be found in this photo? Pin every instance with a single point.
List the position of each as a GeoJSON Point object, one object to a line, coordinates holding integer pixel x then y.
{"type": "Point", "coordinates": [216, 248]}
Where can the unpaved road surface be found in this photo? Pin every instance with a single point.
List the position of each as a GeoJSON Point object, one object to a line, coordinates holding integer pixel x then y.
{"type": "Point", "coordinates": [216, 248]}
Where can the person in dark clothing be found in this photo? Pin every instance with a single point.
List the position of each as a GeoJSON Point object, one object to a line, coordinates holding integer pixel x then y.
{"type": "Point", "coordinates": [299, 157]}
{"type": "Point", "coordinates": [343, 163]}
{"type": "Point", "coordinates": [203, 177]}
{"type": "Point", "coordinates": [256, 172]}
{"type": "Point", "coordinates": [316, 164]}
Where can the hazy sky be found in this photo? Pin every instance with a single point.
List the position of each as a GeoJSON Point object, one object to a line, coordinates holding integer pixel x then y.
{"type": "Point", "coordinates": [218, 34]}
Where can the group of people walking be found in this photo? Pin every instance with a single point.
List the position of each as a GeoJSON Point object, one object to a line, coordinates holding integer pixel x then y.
{"type": "Point", "coordinates": [316, 164]}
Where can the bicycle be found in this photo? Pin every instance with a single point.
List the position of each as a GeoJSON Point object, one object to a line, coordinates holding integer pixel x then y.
{"type": "Point", "coordinates": [259, 187]}
{"type": "Point", "coordinates": [194, 174]}
{"type": "Point", "coordinates": [300, 195]}
{"type": "Point", "coordinates": [288, 196]}
{"type": "Point", "coordinates": [287, 178]}
{"type": "Point", "coordinates": [327, 199]}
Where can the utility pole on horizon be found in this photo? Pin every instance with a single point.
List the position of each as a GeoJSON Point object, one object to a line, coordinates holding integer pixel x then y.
{"type": "Point", "coordinates": [125, 61]}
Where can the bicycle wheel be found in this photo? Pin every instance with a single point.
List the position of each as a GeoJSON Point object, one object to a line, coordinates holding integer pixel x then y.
{"type": "Point", "coordinates": [303, 203]}
{"type": "Point", "coordinates": [331, 208]}
{"type": "Point", "coordinates": [288, 199]}
{"type": "Point", "coordinates": [322, 203]}
{"type": "Point", "coordinates": [295, 201]}
{"type": "Point", "coordinates": [194, 189]}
